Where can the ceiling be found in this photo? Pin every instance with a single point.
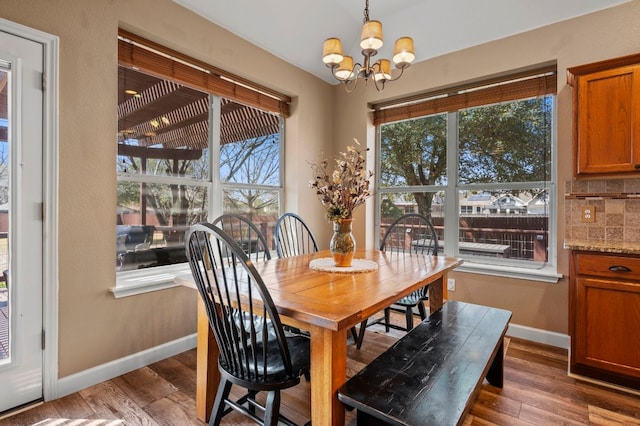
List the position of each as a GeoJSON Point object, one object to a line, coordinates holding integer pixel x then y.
{"type": "Point", "coordinates": [294, 30]}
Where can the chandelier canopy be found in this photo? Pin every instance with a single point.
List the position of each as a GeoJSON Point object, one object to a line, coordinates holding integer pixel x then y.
{"type": "Point", "coordinates": [343, 68]}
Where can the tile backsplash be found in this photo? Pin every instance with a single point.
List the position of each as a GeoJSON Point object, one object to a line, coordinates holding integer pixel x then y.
{"type": "Point", "coordinates": [617, 210]}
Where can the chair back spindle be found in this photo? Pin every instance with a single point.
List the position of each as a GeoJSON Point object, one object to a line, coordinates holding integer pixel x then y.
{"type": "Point", "coordinates": [293, 236]}
{"type": "Point", "coordinates": [246, 234]}
{"type": "Point", "coordinates": [411, 233]}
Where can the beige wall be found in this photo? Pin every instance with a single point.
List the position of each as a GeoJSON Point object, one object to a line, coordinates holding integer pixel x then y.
{"type": "Point", "coordinates": [93, 326]}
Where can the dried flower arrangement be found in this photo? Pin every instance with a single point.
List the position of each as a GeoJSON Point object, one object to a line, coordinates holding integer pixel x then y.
{"type": "Point", "coordinates": [342, 190]}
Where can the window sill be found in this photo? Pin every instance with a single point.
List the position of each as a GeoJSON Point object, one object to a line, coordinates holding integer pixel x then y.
{"type": "Point", "coordinates": [130, 283]}
{"type": "Point", "coordinates": [546, 274]}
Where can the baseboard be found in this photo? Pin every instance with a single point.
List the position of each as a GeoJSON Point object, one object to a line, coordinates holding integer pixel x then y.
{"type": "Point", "coordinates": [84, 379]}
{"type": "Point", "coordinates": [605, 384]}
{"type": "Point", "coordinates": [540, 336]}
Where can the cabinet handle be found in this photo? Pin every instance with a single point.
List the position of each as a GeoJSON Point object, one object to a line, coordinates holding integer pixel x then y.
{"type": "Point", "coordinates": [636, 166]}
{"type": "Point", "coordinates": [618, 268]}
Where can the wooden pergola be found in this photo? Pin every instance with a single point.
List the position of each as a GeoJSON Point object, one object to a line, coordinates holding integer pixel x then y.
{"type": "Point", "coordinates": [163, 114]}
{"type": "Point", "coordinates": [162, 119]}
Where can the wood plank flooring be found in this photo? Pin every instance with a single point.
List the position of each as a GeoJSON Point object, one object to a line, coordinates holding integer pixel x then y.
{"type": "Point", "coordinates": [537, 391]}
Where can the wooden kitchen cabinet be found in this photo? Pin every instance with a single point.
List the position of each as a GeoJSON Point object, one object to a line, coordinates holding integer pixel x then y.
{"type": "Point", "coordinates": [606, 116]}
{"type": "Point", "coordinates": [605, 317]}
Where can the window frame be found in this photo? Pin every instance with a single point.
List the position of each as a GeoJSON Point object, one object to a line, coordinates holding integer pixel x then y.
{"type": "Point", "coordinates": [545, 272]}
{"type": "Point", "coordinates": [129, 283]}
{"type": "Point", "coordinates": [219, 187]}
{"type": "Point", "coordinates": [149, 57]}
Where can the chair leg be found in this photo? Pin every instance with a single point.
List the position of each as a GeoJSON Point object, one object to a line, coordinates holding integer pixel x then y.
{"type": "Point", "coordinates": [387, 319]}
{"type": "Point", "coordinates": [354, 334]}
{"type": "Point", "coordinates": [217, 412]}
{"type": "Point", "coordinates": [363, 328]}
{"type": "Point", "coordinates": [272, 408]}
{"type": "Point", "coordinates": [423, 311]}
{"type": "Point", "coordinates": [252, 396]}
{"type": "Point", "coordinates": [408, 313]}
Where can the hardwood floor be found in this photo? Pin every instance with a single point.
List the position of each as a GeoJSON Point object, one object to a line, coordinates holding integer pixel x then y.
{"type": "Point", "coordinates": [537, 391]}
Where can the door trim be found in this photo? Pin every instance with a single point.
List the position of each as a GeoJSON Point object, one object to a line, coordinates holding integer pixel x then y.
{"type": "Point", "coordinates": [50, 151]}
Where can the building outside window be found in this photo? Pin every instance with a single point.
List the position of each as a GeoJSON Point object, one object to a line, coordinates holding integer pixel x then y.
{"type": "Point", "coordinates": [478, 161]}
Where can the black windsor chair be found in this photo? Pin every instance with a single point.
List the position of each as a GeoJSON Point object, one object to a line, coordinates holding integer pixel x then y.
{"type": "Point", "coordinates": [410, 233]}
{"type": "Point", "coordinates": [254, 355]}
{"type": "Point", "coordinates": [293, 237]}
{"type": "Point", "coordinates": [246, 234]}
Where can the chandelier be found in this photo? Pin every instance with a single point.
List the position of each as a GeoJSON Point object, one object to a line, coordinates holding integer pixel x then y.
{"type": "Point", "coordinates": [343, 68]}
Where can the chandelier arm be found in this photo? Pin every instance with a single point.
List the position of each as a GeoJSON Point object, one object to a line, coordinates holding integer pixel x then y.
{"type": "Point", "coordinates": [350, 85]}
{"type": "Point", "coordinates": [399, 75]}
{"type": "Point", "coordinates": [379, 86]}
{"type": "Point", "coordinates": [354, 72]}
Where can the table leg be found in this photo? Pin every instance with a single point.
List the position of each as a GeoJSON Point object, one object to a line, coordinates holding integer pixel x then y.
{"type": "Point", "coordinates": [328, 373]}
{"type": "Point", "coordinates": [436, 291]}
{"type": "Point", "coordinates": [207, 374]}
{"type": "Point", "coordinates": [445, 289]}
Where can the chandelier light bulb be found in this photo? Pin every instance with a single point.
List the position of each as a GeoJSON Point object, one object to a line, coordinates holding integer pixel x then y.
{"type": "Point", "coordinates": [403, 53]}
{"type": "Point", "coordinates": [345, 69]}
{"type": "Point", "coordinates": [371, 35]}
{"type": "Point", "coordinates": [383, 70]}
{"type": "Point", "coordinates": [332, 51]}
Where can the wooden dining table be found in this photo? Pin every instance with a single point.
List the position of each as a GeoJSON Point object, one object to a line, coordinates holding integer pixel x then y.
{"type": "Point", "coordinates": [327, 304]}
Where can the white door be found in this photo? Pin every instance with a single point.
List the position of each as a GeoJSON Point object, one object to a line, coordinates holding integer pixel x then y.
{"type": "Point", "coordinates": [21, 222]}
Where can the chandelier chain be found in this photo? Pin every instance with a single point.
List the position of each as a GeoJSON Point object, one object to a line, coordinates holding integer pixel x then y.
{"type": "Point", "coordinates": [366, 11]}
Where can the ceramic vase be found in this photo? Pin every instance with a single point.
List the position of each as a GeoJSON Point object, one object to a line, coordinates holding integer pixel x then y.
{"type": "Point", "coordinates": [342, 245]}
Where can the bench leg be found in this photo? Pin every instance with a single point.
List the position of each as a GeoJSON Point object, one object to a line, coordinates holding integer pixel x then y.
{"type": "Point", "coordinates": [495, 375]}
{"type": "Point", "coordinates": [364, 419]}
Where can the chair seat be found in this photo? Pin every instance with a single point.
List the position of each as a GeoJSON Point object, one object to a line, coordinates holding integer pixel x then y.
{"type": "Point", "coordinates": [275, 373]}
{"type": "Point", "coordinates": [411, 300]}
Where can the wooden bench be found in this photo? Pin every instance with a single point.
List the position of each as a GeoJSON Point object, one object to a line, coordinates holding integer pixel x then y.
{"type": "Point", "coordinates": [484, 249]}
{"type": "Point", "coordinates": [478, 249]}
{"type": "Point", "coordinates": [432, 375]}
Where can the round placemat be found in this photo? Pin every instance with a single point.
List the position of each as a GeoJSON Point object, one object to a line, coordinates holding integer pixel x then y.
{"type": "Point", "coordinates": [326, 264]}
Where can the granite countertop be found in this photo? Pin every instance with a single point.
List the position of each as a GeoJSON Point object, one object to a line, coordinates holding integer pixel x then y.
{"type": "Point", "coordinates": [616, 247]}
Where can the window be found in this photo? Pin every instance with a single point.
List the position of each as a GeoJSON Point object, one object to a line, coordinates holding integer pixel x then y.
{"type": "Point", "coordinates": [251, 177]}
{"type": "Point", "coordinates": [186, 153]}
{"type": "Point", "coordinates": [479, 162]}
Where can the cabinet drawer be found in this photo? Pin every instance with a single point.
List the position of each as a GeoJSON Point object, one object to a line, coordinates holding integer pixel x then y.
{"type": "Point", "coordinates": [612, 266]}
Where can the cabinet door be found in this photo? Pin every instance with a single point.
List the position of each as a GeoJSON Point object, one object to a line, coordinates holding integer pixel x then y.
{"type": "Point", "coordinates": [608, 128]}
{"type": "Point", "coordinates": [607, 324]}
